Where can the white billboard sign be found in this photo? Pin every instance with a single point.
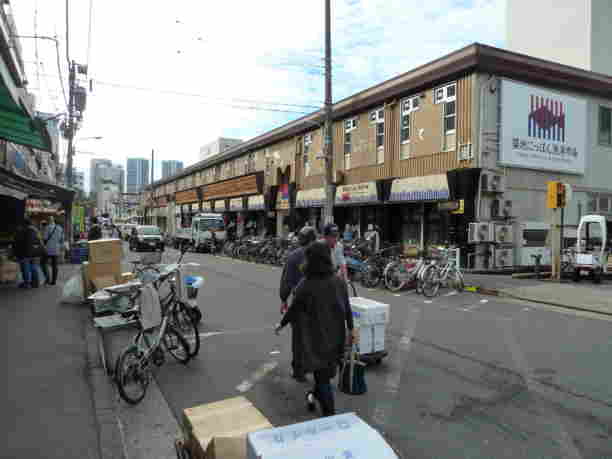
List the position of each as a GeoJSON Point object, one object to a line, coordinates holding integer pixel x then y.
{"type": "Point", "coordinates": [542, 129]}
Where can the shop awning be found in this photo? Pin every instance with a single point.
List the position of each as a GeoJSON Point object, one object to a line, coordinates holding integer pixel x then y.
{"type": "Point", "coordinates": [207, 206]}
{"type": "Point", "coordinates": [358, 193]}
{"type": "Point", "coordinates": [17, 125]}
{"type": "Point", "coordinates": [256, 202]}
{"type": "Point", "coordinates": [19, 187]}
{"type": "Point", "coordinates": [236, 204]}
{"type": "Point", "coordinates": [427, 188]}
{"type": "Point", "coordinates": [220, 205]}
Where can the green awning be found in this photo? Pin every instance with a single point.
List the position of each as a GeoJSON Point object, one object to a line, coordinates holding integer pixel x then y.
{"type": "Point", "coordinates": [16, 124]}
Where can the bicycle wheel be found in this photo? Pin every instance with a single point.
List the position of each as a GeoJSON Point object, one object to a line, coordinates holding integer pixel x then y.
{"type": "Point", "coordinates": [371, 276]}
{"type": "Point", "coordinates": [391, 276]}
{"type": "Point", "coordinates": [431, 281]}
{"type": "Point", "coordinates": [182, 321]}
{"type": "Point", "coordinates": [176, 345]}
{"type": "Point", "coordinates": [131, 378]}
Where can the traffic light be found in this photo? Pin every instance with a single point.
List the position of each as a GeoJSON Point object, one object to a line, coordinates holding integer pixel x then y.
{"type": "Point", "coordinates": [555, 196]}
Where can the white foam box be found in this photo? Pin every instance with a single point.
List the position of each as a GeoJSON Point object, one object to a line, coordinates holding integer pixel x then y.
{"type": "Point", "coordinates": [378, 341]}
{"type": "Point", "coordinates": [338, 437]}
{"type": "Point", "coordinates": [369, 312]}
{"type": "Point", "coordinates": [366, 339]}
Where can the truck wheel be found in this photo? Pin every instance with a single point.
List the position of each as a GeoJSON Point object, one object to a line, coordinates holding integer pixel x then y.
{"type": "Point", "coordinates": [576, 276]}
{"type": "Point", "coordinates": [597, 276]}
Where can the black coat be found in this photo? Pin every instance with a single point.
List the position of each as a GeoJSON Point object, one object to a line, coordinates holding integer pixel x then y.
{"type": "Point", "coordinates": [292, 273]}
{"type": "Point", "coordinates": [320, 313]}
{"type": "Point", "coordinates": [25, 239]}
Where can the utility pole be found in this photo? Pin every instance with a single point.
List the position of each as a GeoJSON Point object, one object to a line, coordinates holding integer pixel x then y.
{"type": "Point", "coordinates": [152, 164]}
{"type": "Point", "coordinates": [71, 128]}
{"type": "Point", "coordinates": [328, 214]}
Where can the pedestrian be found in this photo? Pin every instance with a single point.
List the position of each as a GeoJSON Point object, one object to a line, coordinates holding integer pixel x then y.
{"type": "Point", "coordinates": [290, 278]}
{"type": "Point", "coordinates": [53, 238]}
{"type": "Point", "coordinates": [373, 237]}
{"type": "Point", "coordinates": [28, 248]}
{"type": "Point", "coordinates": [330, 234]}
{"type": "Point", "coordinates": [95, 232]}
{"type": "Point", "coordinates": [321, 313]}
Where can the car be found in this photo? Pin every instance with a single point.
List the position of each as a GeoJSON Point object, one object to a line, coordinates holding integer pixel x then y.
{"type": "Point", "coordinates": [146, 237]}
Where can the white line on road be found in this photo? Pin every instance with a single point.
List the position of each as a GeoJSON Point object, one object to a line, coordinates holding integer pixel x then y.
{"type": "Point", "coordinates": [257, 376]}
{"type": "Point", "coordinates": [453, 293]}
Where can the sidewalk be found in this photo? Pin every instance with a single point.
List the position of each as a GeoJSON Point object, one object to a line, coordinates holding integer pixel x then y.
{"type": "Point", "coordinates": [585, 296]}
{"type": "Point", "coordinates": [48, 405]}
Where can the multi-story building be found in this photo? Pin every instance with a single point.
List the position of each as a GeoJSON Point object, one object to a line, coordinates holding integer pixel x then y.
{"type": "Point", "coordinates": [456, 151]}
{"type": "Point", "coordinates": [94, 172]}
{"type": "Point", "coordinates": [217, 146]}
{"type": "Point", "coordinates": [171, 167]}
{"type": "Point", "coordinates": [137, 174]}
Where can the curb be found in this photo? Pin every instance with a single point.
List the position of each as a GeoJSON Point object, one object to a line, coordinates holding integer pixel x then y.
{"type": "Point", "coordinates": [495, 292]}
{"type": "Point", "coordinates": [110, 437]}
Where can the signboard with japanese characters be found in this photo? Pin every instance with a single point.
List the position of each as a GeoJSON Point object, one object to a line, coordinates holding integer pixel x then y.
{"type": "Point", "coordinates": [358, 193]}
{"type": "Point", "coordinates": [542, 129]}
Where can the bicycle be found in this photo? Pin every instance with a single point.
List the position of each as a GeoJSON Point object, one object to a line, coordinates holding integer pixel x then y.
{"type": "Point", "coordinates": [448, 275]}
{"type": "Point", "coordinates": [134, 366]}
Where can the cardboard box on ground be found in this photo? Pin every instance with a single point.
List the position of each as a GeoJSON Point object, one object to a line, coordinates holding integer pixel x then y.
{"type": "Point", "coordinates": [218, 430]}
{"type": "Point", "coordinates": [8, 270]}
{"type": "Point", "coordinates": [104, 266]}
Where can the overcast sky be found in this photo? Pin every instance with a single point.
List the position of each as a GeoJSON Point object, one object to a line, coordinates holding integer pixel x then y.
{"type": "Point", "coordinates": [207, 69]}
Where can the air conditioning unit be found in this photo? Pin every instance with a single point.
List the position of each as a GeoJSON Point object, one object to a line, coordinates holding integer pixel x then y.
{"type": "Point", "coordinates": [494, 183]}
{"type": "Point", "coordinates": [504, 258]}
{"type": "Point", "coordinates": [503, 234]}
{"type": "Point", "coordinates": [480, 232]}
{"type": "Point", "coordinates": [465, 152]}
{"type": "Point", "coordinates": [507, 209]}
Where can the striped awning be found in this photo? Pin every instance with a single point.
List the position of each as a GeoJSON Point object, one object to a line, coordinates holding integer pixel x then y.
{"type": "Point", "coordinates": [427, 188]}
{"type": "Point", "coordinates": [310, 198]}
{"type": "Point", "coordinates": [256, 202]}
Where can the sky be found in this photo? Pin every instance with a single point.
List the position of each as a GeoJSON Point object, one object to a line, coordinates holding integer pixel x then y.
{"type": "Point", "coordinates": [173, 76]}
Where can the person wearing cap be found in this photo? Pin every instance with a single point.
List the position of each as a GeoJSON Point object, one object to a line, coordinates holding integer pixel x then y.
{"type": "Point", "coordinates": [292, 275]}
{"type": "Point", "coordinates": [330, 234]}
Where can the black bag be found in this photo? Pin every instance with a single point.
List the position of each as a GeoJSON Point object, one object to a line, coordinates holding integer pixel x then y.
{"type": "Point", "coordinates": [351, 378]}
{"type": "Point", "coordinates": [38, 247]}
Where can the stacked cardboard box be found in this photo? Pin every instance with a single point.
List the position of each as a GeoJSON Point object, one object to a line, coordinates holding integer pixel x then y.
{"type": "Point", "coordinates": [104, 266]}
{"type": "Point", "coordinates": [218, 430]}
{"type": "Point", "coordinates": [8, 270]}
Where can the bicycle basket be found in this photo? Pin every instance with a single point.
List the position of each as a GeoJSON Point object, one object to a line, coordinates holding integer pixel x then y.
{"type": "Point", "coordinates": [151, 258]}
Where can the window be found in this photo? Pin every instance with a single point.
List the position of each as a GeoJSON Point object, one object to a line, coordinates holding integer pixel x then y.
{"type": "Point", "coordinates": [408, 106]}
{"type": "Point", "coordinates": [603, 204]}
{"type": "Point", "coordinates": [605, 126]}
{"type": "Point", "coordinates": [378, 117]}
{"type": "Point", "coordinates": [251, 163]}
{"type": "Point", "coordinates": [349, 126]}
{"type": "Point", "coordinates": [307, 145]}
{"type": "Point", "coordinates": [447, 95]}
{"type": "Point", "coordinates": [217, 171]}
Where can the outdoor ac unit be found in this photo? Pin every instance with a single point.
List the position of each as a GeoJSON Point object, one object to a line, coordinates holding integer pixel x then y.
{"type": "Point", "coordinates": [494, 183]}
{"type": "Point", "coordinates": [465, 152]}
{"type": "Point", "coordinates": [507, 209]}
{"type": "Point", "coordinates": [503, 234]}
{"type": "Point", "coordinates": [504, 258]}
{"type": "Point", "coordinates": [479, 232]}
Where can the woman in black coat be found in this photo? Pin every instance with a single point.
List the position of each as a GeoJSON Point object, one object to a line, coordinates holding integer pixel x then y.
{"type": "Point", "coordinates": [321, 311]}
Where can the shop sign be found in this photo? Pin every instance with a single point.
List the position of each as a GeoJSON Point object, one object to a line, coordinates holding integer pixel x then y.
{"type": "Point", "coordinates": [427, 188]}
{"type": "Point", "coordinates": [207, 206]}
{"type": "Point", "coordinates": [542, 129]}
{"type": "Point", "coordinates": [186, 197]}
{"type": "Point", "coordinates": [310, 198]}
{"type": "Point", "coordinates": [236, 204]}
{"type": "Point", "coordinates": [357, 193]}
{"type": "Point", "coordinates": [256, 202]}
{"type": "Point", "coordinates": [282, 198]}
{"type": "Point", "coordinates": [220, 205]}
{"type": "Point", "coordinates": [234, 187]}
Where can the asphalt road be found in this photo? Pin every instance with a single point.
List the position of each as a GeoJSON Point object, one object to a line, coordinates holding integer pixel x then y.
{"type": "Point", "coordinates": [481, 378]}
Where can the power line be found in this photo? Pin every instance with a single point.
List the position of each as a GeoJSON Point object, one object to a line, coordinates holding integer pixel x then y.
{"type": "Point", "coordinates": [67, 32]}
{"type": "Point", "coordinates": [89, 32]}
{"type": "Point", "coordinates": [36, 41]}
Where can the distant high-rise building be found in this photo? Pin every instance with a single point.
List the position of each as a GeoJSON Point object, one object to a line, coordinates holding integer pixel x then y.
{"type": "Point", "coordinates": [137, 174]}
{"type": "Point", "coordinates": [94, 172]}
{"type": "Point", "coordinates": [570, 32]}
{"type": "Point", "coordinates": [79, 180]}
{"type": "Point", "coordinates": [171, 167]}
{"type": "Point", "coordinates": [217, 146]}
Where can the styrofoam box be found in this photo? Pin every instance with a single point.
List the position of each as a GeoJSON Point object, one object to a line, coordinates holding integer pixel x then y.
{"type": "Point", "coordinates": [339, 437]}
{"type": "Point", "coordinates": [369, 312]}
{"type": "Point", "coordinates": [366, 339]}
{"type": "Point", "coordinates": [378, 337]}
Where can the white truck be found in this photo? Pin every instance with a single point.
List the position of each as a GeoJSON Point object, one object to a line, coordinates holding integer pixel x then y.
{"type": "Point", "coordinates": [591, 257]}
{"type": "Point", "coordinates": [204, 229]}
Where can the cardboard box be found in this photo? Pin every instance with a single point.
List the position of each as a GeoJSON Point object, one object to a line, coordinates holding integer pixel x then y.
{"type": "Point", "coordinates": [105, 281]}
{"type": "Point", "coordinates": [126, 277]}
{"type": "Point", "coordinates": [105, 251]}
{"type": "Point", "coordinates": [369, 312]}
{"type": "Point", "coordinates": [227, 422]}
{"type": "Point", "coordinates": [341, 436]}
{"type": "Point", "coordinates": [94, 270]}
{"type": "Point", "coordinates": [8, 271]}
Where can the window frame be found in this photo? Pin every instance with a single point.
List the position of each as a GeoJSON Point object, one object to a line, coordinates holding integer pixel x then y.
{"type": "Point", "coordinates": [599, 126]}
{"type": "Point", "coordinates": [442, 96]}
{"type": "Point", "coordinates": [377, 117]}
{"type": "Point", "coordinates": [407, 107]}
{"type": "Point", "coordinates": [350, 125]}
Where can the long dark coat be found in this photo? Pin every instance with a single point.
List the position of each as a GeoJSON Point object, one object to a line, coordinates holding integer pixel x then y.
{"type": "Point", "coordinates": [320, 313]}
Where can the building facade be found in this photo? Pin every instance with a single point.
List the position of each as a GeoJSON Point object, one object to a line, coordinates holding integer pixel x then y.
{"type": "Point", "coordinates": [171, 167]}
{"type": "Point", "coordinates": [137, 174]}
{"type": "Point", "coordinates": [79, 180]}
{"type": "Point", "coordinates": [456, 152]}
{"type": "Point", "coordinates": [217, 146]}
{"type": "Point", "coordinates": [94, 172]}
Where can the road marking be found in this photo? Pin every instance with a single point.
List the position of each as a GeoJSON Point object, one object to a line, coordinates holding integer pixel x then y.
{"type": "Point", "coordinates": [469, 308]}
{"type": "Point", "coordinates": [396, 294]}
{"type": "Point", "coordinates": [274, 352]}
{"type": "Point", "coordinates": [526, 309]}
{"type": "Point", "coordinates": [257, 376]}
{"type": "Point", "coordinates": [484, 301]}
{"type": "Point", "coordinates": [427, 301]}
{"type": "Point", "coordinates": [453, 293]}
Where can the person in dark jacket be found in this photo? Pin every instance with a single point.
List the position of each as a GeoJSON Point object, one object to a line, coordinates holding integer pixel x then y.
{"type": "Point", "coordinates": [28, 247]}
{"type": "Point", "coordinates": [321, 311]}
{"type": "Point", "coordinates": [95, 232]}
{"type": "Point", "coordinates": [291, 277]}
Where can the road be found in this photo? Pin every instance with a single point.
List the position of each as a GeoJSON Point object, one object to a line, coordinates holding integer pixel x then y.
{"type": "Point", "coordinates": [482, 377]}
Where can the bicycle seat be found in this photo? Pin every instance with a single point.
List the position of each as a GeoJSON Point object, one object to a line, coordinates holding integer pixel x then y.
{"type": "Point", "coordinates": [130, 312]}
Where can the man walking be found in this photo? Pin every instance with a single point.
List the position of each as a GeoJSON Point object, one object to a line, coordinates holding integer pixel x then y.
{"type": "Point", "coordinates": [330, 234]}
{"type": "Point", "coordinates": [53, 238]}
{"type": "Point", "coordinates": [291, 277]}
{"type": "Point", "coordinates": [28, 247]}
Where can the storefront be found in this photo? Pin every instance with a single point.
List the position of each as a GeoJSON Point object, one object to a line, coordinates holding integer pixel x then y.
{"type": "Point", "coordinates": [207, 206]}
{"type": "Point", "coordinates": [283, 206]}
{"type": "Point", "coordinates": [308, 204]}
{"type": "Point", "coordinates": [256, 212]}
{"type": "Point", "coordinates": [358, 205]}
{"type": "Point", "coordinates": [415, 219]}
{"type": "Point", "coordinates": [162, 214]}
{"type": "Point", "coordinates": [187, 206]}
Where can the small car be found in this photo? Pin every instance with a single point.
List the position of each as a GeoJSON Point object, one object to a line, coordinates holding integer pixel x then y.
{"type": "Point", "coordinates": [146, 237]}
